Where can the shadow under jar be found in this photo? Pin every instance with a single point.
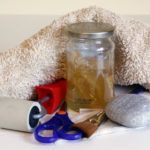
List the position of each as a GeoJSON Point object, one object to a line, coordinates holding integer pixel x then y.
{"type": "Point", "coordinates": [90, 65]}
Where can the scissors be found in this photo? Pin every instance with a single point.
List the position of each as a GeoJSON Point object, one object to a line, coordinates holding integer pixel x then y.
{"type": "Point", "coordinates": [61, 127]}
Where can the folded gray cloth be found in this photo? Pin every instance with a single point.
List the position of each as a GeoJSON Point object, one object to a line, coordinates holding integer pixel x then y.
{"type": "Point", "coordinates": [41, 58]}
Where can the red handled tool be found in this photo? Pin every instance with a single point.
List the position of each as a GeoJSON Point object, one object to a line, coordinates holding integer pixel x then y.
{"type": "Point", "coordinates": [52, 94]}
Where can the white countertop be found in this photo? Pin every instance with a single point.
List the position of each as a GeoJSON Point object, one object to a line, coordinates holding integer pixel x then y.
{"type": "Point", "coordinates": [13, 30]}
{"type": "Point", "coordinates": [133, 140]}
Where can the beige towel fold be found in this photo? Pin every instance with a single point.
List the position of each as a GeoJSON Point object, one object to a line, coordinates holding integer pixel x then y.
{"type": "Point", "coordinates": [41, 58]}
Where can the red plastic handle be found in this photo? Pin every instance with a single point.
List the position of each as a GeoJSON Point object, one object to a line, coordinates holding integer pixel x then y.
{"type": "Point", "coordinates": [56, 91]}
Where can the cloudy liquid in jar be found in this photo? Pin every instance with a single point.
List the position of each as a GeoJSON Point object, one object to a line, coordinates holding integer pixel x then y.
{"type": "Point", "coordinates": [90, 79]}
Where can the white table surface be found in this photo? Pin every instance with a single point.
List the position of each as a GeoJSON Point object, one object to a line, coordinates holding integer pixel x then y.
{"type": "Point", "coordinates": [13, 29]}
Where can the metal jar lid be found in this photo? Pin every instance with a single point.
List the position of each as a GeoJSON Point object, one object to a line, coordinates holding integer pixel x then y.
{"type": "Point", "coordinates": [90, 30]}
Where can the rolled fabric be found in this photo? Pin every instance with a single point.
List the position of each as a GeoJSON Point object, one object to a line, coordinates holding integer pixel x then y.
{"type": "Point", "coordinates": [16, 114]}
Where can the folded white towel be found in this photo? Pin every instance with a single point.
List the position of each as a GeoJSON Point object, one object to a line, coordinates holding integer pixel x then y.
{"type": "Point", "coordinates": [41, 58]}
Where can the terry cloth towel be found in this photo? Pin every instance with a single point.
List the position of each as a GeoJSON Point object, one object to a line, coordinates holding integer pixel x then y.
{"type": "Point", "coordinates": [41, 58]}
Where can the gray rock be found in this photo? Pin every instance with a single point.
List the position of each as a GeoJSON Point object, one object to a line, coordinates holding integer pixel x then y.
{"type": "Point", "coordinates": [130, 110]}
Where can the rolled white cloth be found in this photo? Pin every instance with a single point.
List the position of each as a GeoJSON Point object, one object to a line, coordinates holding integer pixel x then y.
{"type": "Point", "coordinates": [18, 115]}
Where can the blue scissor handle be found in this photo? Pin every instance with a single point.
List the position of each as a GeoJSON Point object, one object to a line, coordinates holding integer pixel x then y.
{"type": "Point", "coordinates": [49, 125]}
{"type": "Point", "coordinates": [64, 132]}
{"type": "Point", "coordinates": [61, 125]}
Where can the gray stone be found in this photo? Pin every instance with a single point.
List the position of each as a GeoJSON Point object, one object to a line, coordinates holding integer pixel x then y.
{"type": "Point", "coordinates": [130, 110]}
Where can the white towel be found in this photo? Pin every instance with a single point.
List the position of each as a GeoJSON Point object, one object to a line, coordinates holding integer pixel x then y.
{"type": "Point", "coordinates": [41, 58]}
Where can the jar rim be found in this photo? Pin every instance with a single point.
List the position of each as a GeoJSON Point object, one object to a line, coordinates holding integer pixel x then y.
{"type": "Point", "coordinates": [90, 30]}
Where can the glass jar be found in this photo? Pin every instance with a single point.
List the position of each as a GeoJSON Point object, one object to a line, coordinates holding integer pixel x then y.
{"type": "Point", "coordinates": [90, 65]}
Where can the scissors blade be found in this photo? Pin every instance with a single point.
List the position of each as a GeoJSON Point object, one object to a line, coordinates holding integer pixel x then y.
{"type": "Point", "coordinates": [63, 106]}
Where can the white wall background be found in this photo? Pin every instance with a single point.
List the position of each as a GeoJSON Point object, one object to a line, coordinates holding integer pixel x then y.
{"type": "Point", "coordinates": [19, 19]}
{"type": "Point", "coordinates": [58, 7]}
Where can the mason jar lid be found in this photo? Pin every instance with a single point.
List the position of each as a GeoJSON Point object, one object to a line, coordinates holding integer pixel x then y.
{"type": "Point", "coordinates": [90, 30]}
